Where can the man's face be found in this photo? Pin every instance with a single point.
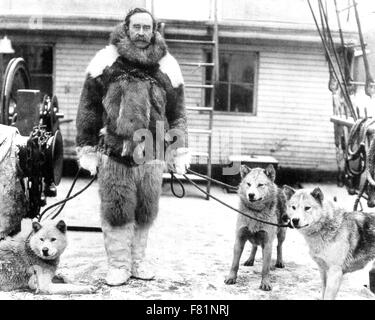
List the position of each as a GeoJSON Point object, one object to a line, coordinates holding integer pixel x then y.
{"type": "Point", "coordinates": [140, 29]}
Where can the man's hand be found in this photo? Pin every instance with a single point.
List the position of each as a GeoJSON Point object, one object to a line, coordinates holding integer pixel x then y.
{"type": "Point", "coordinates": [88, 159]}
{"type": "Point", "coordinates": [179, 160]}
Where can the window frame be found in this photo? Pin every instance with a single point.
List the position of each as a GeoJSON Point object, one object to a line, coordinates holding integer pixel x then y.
{"type": "Point", "coordinates": [52, 75]}
{"type": "Point", "coordinates": [255, 84]}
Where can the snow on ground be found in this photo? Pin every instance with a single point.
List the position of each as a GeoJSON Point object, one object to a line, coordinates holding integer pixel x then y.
{"type": "Point", "coordinates": [190, 248]}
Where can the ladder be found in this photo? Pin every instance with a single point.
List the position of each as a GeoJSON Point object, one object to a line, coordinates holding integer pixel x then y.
{"type": "Point", "coordinates": [213, 44]}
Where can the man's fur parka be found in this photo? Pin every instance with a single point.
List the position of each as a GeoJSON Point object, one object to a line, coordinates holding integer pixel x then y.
{"type": "Point", "coordinates": [127, 89]}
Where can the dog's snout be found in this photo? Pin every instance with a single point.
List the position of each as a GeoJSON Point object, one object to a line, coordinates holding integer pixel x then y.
{"type": "Point", "coordinates": [295, 222]}
{"type": "Point", "coordinates": [251, 196]}
{"type": "Point", "coordinates": [45, 251]}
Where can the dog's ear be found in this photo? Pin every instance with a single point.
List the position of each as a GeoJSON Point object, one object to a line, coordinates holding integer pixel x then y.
{"type": "Point", "coordinates": [288, 191]}
{"type": "Point", "coordinates": [270, 172]}
{"type": "Point", "coordinates": [36, 226]}
{"type": "Point", "coordinates": [244, 171]}
{"type": "Point", "coordinates": [61, 226]}
{"type": "Point", "coordinates": [318, 195]}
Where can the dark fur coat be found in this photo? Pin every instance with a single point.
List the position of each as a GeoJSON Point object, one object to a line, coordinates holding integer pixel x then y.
{"type": "Point", "coordinates": [127, 89]}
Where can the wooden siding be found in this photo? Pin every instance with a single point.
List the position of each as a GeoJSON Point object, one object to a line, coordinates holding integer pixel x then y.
{"type": "Point", "coordinates": [292, 121]}
{"type": "Point", "coordinates": [72, 56]}
{"type": "Point", "coordinates": [93, 8]}
{"type": "Point", "coordinates": [293, 105]}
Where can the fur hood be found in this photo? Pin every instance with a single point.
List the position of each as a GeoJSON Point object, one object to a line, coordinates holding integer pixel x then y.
{"type": "Point", "coordinates": [149, 56]}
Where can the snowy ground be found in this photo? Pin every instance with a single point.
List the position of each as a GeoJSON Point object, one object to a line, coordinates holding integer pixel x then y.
{"type": "Point", "coordinates": [190, 247]}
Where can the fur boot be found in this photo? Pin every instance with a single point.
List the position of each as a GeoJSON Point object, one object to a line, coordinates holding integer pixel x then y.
{"type": "Point", "coordinates": [129, 205]}
{"type": "Point", "coordinates": [140, 268]}
{"type": "Point", "coordinates": [117, 242]}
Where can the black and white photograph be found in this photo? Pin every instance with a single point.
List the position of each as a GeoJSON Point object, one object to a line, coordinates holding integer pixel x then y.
{"type": "Point", "coordinates": [187, 150]}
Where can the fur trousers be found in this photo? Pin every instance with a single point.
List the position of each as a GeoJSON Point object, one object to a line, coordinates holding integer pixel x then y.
{"type": "Point", "coordinates": [129, 204]}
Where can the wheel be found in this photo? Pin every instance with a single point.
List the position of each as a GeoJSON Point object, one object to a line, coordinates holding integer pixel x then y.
{"type": "Point", "coordinates": [55, 158]}
{"type": "Point", "coordinates": [16, 77]}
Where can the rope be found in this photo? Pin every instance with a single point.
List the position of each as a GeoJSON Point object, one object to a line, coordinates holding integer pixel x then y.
{"type": "Point", "coordinates": [346, 62]}
{"type": "Point", "coordinates": [356, 129]}
{"type": "Point", "coordinates": [227, 205]}
{"type": "Point", "coordinates": [370, 163]}
{"type": "Point", "coordinates": [358, 135]}
{"type": "Point", "coordinates": [212, 180]}
{"type": "Point", "coordinates": [68, 197]}
{"type": "Point", "coordinates": [346, 97]}
{"type": "Point", "coordinates": [174, 178]}
{"type": "Point", "coordinates": [323, 12]}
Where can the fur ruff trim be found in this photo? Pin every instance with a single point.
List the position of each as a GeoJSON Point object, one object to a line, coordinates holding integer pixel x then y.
{"type": "Point", "coordinates": [120, 45]}
{"type": "Point", "coordinates": [169, 66]}
{"type": "Point", "coordinates": [104, 58]}
{"type": "Point", "coordinates": [149, 56]}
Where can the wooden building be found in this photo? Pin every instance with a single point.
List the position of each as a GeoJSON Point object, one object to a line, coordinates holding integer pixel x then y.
{"type": "Point", "coordinates": [272, 96]}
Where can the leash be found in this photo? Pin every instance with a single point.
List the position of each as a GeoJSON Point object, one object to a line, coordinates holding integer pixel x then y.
{"type": "Point", "coordinates": [67, 198]}
{"type": "Point", "coordinates": [228, 186]}
{"type": "Point", "coordinates": [68, 195]}
{"type": "Point", "coordinates": [222, 202]}
{"type": "Point", "coordinates": [174, 178]}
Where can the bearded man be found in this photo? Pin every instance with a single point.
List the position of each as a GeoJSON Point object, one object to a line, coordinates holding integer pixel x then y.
{"type": "Point", "coordinates": [133, 84]}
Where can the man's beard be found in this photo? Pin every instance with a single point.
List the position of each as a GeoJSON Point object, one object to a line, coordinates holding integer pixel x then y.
{"type": "Point", "coordinates": [149, 55]}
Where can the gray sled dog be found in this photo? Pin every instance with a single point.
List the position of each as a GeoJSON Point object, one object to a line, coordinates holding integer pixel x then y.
{"type": "Point", "coordinates": [339, 241]}
{"type": "Point", "coordinates": [260, 198]}
{"type": "Point", "coordinates": [30, 259]}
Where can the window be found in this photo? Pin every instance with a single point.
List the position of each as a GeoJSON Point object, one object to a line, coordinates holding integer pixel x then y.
{"type": "Point", "coordinates": [235, 90]}
{"type": "Point", "coordinates": [39, 60]}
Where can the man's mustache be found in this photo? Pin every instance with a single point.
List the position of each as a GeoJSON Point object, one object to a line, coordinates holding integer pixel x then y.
{"type": "Point", "coordinates": [141, 38]}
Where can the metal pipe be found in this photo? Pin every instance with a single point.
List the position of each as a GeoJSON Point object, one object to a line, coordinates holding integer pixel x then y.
{"type": "Point", "coordinates": [344, 122]}
{"type": "Point", "coordinates": [359, 83]}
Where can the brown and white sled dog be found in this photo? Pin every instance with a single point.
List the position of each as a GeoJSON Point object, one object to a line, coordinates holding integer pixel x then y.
{"type": "Point", "coordinates": [339, 241]}
{"type": "Point", "coordinates": [260, 198]}
{"type": "Point", "coordinates": [30, 259]}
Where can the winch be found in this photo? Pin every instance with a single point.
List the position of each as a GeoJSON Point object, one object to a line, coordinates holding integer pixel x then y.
{"type": "Point", "coordinates": [40, 145]}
